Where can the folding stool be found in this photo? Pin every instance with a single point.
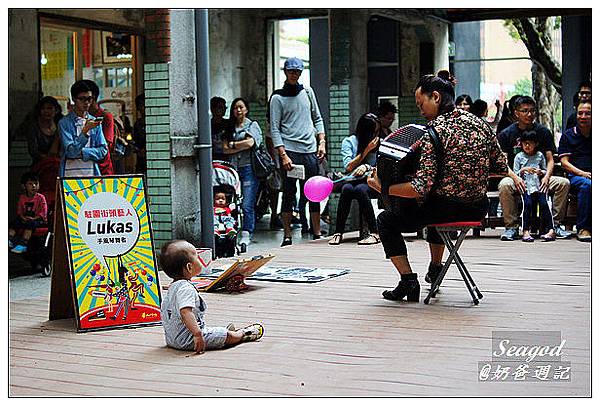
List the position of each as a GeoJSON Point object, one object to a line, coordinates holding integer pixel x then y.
{"type": "Point", "coordinates": [444, 229]}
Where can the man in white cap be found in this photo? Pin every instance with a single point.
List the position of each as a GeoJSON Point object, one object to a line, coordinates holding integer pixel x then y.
{"type": "Point", "coordinates": [295, 119]}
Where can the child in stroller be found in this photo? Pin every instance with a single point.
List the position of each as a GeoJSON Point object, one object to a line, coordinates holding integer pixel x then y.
{"type": "Point", "coordinates": [225, 226]}
{"type": "Point", "coordinates": [227, 200]}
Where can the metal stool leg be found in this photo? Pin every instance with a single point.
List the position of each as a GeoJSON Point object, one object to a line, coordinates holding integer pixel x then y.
{"type": "Point", "coordinates": [455, 257]}
{"type": "Point", "coordinates": [468, 275]}
{"type": "Point", "coordinates": [436, 284]}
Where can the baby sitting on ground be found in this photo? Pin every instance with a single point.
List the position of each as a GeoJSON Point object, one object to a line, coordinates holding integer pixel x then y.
{"type": "Point", "coordinates": [182, 309]}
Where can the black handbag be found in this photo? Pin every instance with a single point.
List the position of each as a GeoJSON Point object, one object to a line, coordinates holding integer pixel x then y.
{"type": "Point", "coordinates": [262, 163]}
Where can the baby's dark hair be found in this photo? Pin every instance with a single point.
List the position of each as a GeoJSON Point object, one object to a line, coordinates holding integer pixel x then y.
{"type": "Point", "coordinates": [29, 176]}
{"type": "Point", "coordinates": [529, 136]}
{"type": "Point", "coordinates": [174, 259]}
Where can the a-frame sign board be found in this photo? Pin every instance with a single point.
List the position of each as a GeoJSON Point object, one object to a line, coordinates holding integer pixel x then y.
{"type": "Point", "coordinates": [104, 267]}
{"type": "Point", "coordinates": [61, 293]}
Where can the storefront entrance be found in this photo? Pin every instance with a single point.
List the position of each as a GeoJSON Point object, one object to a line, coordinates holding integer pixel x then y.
{"type": "Point", "coordinates": [110, 59]}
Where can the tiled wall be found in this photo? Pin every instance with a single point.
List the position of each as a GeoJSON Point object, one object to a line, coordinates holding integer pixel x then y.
{"type": "Point", "coordinates": [156, 89]}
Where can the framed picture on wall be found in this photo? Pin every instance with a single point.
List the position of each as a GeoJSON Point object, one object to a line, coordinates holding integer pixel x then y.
{"type": "Point", "coordinates": [116, 48]}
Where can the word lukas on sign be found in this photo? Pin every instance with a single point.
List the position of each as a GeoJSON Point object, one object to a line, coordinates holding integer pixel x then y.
{"type": "Point", "coordinates": [105, 227]}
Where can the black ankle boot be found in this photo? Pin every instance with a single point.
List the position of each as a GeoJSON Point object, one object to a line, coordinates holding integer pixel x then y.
{"type": "Point", "coordinates": [433, 272]}
{"type": "Point", "coordinates": [407, 287]}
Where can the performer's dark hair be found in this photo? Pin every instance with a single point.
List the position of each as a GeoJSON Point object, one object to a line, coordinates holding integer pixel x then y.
{"type": "Point", "coordinates": [173, 259]}
{"type": "Point", "coordinates": [443, 83]}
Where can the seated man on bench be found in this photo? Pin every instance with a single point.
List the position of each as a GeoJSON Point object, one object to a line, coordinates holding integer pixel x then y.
{"type": "Point", "coordinates": [575, 152]}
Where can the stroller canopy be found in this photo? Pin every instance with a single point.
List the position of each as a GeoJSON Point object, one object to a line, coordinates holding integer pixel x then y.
{"type": "Point", "coordinates": [224, 175]}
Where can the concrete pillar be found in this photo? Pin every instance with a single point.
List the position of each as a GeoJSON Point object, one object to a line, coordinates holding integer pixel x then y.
{"type": "Point", "coordinates": [467, 40]}
{"type": "Point", "coordinates": [185, 190]}
{"type": "Point", "coordinates": [319, 65]}
{"type": "Point", "coordinates": [23, 92]}
{"type": "Point", "coordinates": [339, 90]}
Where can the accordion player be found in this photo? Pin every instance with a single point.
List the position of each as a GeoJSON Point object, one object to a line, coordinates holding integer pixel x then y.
{"type": "Point", "coordinates": [398, 160]}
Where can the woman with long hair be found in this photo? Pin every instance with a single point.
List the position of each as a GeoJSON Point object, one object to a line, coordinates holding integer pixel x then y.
{"type": "Point", "coordinates": [241, 136]}
{"type": "Point", "coordinates": [359, 157]}
{"type": "Point", "coordinates": [471, 152]}
{"type": "Point", "coordinates": [464, 102]}
{"type": "Point", "coordinates": [41, 130]}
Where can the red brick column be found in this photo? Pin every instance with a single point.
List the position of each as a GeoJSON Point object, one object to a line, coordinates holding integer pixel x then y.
{"type": "Point", "coordinates": [158, 36]}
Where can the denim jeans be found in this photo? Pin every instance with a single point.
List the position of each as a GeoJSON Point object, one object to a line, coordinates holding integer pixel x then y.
{"type": "Point", "coordinates": [249, 191]}
{"type": "Point", "coordinates": [583, 188]}
{"type": "Point", "coordinates": [529, 201]}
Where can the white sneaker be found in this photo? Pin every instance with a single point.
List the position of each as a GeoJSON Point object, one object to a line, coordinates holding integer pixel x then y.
{"type": "Point", "coordinates": [245, 238]}
{"type": "Point", "coordinates": [252, 332]}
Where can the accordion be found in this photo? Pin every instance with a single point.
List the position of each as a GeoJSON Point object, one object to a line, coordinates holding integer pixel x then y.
{"type": "Point", "coordinates": [398, 161]}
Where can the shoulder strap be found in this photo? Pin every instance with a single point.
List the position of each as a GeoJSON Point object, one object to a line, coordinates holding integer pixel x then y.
{"type": "Point", "coordinates": [439, 155]}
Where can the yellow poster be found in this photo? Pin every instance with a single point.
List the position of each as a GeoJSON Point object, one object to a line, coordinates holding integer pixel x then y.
{"type": "Point", "coordinates": [111, 256]}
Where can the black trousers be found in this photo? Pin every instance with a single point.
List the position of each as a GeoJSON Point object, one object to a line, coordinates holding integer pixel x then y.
{"type": "Point", "coordinates": [311, 168]}
{"type": "Point", "coordinates": [362, 193]}
{"type": "Point", "coordinates": [413, 217]}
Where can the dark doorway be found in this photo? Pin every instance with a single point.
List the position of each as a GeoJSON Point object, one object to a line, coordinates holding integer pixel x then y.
{"type": "Point", "coordinates": [383, 56]}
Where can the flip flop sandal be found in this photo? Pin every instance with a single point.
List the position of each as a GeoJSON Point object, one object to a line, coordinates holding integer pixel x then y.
{"type": "Point", "coordinates": [528, 239]}
{"type": "Point", "coordinates": [547, 238]}
{"type": "Point", "coordinates": [370, 240]}
{"type": "Point", "coordinates": [336, 239]}
{"type": "Point", "coordinates": [252, 332]}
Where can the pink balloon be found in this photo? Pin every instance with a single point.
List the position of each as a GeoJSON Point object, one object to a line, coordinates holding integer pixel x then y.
{"type": "Point", "coordinates": [318, 188]}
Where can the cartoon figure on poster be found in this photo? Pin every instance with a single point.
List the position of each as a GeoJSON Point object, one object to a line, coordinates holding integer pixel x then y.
{"type": "Point", "coordinates": [111, 252]}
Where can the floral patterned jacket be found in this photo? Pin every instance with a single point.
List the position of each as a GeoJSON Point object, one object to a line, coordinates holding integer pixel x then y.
{"type": "Point", "coordinates": [471, 153]}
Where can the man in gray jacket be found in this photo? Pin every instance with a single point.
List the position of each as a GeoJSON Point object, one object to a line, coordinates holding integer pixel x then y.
{"type": "Point", "coordinates": [295, 120]}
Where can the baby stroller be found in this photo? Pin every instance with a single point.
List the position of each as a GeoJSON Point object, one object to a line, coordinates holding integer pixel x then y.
{"type": "Point", "coordinates": [227, 180]}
